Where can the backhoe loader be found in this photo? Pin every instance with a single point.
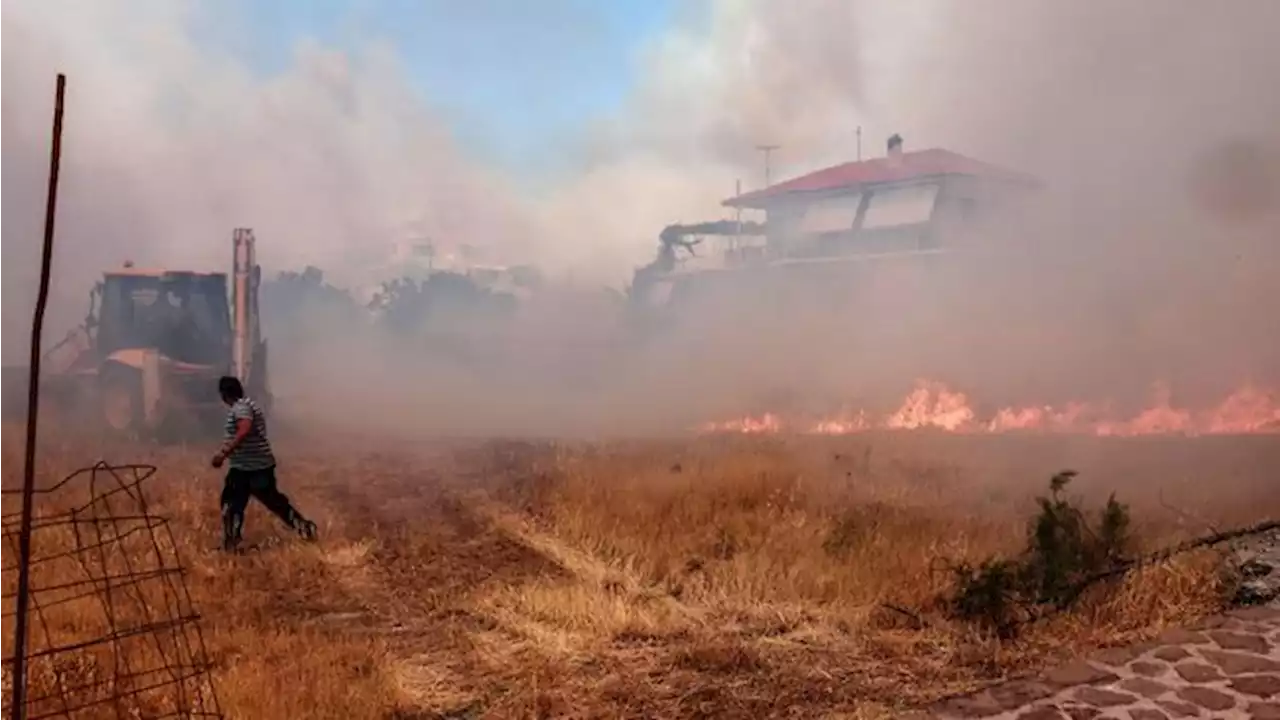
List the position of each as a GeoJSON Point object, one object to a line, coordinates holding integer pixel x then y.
{"type": "Point", "coordinates": [146, 360]}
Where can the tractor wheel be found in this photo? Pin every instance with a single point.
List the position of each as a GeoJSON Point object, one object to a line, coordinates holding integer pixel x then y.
{"type": "Point", "coordinates": [120, 393]}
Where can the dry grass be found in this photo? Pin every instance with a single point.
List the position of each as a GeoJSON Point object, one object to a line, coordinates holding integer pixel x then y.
{"type": "Point", "coordinates": [726, 578]}
{"type": "Point", "coordinates": [260, 612]}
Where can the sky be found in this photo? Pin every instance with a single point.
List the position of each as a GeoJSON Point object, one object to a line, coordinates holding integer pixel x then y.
{"type": "Point", "coordinates": [563, 132]}
{"type": "Point", "coordinates": [515, 80]}
{"type": "Point", "coordinates": [568, 133]}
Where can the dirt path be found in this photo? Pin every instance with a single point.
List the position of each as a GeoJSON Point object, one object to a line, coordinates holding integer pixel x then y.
{"type": "Point", "coordinates": [418, 555]}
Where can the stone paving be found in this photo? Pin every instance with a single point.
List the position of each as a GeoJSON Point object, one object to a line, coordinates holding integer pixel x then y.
{"type": "Point", "coordinates": [1223, 667]}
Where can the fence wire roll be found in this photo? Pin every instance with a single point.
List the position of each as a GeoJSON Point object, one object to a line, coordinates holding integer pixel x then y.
{"type": "Point", "coordinates": [113, 630]}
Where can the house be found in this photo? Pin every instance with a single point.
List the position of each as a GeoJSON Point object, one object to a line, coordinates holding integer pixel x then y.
{"type": "Point", "coordinates": [904, 202]}
{"type": "Point", "coordinates": [905, 205]}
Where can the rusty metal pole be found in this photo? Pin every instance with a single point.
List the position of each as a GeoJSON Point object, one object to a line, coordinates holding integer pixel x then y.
{"type": "Point", "coordinates": [19, 710]}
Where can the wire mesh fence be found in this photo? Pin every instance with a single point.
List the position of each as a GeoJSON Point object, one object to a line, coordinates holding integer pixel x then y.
{"type": "Point", "coordinates": [113, 630]}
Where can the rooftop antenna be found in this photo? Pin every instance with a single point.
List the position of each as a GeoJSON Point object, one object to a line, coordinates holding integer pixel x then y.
{"type": "Point", "coordinates": [768, 151]}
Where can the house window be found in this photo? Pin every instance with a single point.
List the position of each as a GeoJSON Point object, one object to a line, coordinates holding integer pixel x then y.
{"type": "Point", "coordinates": [830, 215]}
{"type": "Point", "coordinates": [896, 207]}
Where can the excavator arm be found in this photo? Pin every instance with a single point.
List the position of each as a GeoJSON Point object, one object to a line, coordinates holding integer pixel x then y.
{"type": "Point", "coordinates": [673, 235]}
{"type": "Point", "coordinates": [676, 236]}
{"type": "Point", "coordinates": [248, 349]}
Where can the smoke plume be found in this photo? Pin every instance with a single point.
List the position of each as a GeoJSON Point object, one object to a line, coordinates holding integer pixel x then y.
{"type": "Point", "coordinates": [1149, 255]}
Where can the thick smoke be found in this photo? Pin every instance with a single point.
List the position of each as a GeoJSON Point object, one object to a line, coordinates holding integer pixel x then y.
{"type": "Point", "coordinates": [169, 145]}
{"type": "Point", "coordinates": [1123, 273]}
{"type": "Point", "coordinates": [1128, 272]}
{"type": "Point", "coordinates": [1129, 267]}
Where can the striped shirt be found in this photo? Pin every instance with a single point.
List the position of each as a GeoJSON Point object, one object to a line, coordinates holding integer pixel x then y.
{"type": "Point", "coordinates": [254, 452]}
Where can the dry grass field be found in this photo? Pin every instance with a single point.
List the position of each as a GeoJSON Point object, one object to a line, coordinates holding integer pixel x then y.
{"type": "Point", "coordinates": [711, 577]}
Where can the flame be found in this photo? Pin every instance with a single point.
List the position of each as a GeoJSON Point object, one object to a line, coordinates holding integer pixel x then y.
{"type": "Point", "coordinates": [766, 423]}
{"type": "Point", "coordinates": [932, 405]}
{"type": "Point", "coordinates": [843, 424]}
{"type": "Point", "coordinates": [1247, 410]}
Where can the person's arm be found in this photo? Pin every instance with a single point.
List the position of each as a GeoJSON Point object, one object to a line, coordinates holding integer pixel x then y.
{"type": "Point", "coordinates": [244, 426]}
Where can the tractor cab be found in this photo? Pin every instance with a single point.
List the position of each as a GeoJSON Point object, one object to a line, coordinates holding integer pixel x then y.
{"type": "Point", "coordinates": [182, 315]}
{"type": "Point", "coordinates": [146, 359]}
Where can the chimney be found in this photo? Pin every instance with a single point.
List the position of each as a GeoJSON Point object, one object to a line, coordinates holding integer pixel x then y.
{"type": "Point", "coordinates": [895, 146]}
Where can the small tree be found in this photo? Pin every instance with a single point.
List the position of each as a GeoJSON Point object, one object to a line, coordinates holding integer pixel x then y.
{"type": "Point", "coordinates": [295, 303]}
{"type": "Point", "coordinates": [444, 300]}
{"type": "Point", "coordinates": [1064, 549]}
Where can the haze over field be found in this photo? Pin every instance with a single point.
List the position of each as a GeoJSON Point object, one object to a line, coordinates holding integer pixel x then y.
{"type": "Point", "coordinates": [1129, 270]}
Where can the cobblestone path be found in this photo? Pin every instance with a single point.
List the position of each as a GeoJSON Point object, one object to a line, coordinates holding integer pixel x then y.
{"type": "Point", "coordinates": [1223, 667]}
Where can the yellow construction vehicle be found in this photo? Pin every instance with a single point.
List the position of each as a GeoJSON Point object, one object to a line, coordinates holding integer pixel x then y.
{"type": "Point", "coordinates": [146, 360]}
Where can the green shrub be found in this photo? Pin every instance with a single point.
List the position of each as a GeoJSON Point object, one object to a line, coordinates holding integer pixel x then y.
{"type": "Point", "coordinates": [1065, 549]}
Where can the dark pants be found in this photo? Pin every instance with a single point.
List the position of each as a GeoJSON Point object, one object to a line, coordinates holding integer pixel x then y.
{"type": "Point", "coordinates": [261, 484]}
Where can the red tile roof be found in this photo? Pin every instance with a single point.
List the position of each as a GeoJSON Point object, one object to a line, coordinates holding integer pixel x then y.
{"type": "Point", "coordinates": [908, 166]}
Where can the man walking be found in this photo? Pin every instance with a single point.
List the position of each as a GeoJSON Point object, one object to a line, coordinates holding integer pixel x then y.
{"type": "Point", "coordinates": [252, 468]}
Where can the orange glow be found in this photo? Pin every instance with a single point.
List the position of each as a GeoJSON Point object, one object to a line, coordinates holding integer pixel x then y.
{"type": "Point", "coordinates": [932, 405]}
